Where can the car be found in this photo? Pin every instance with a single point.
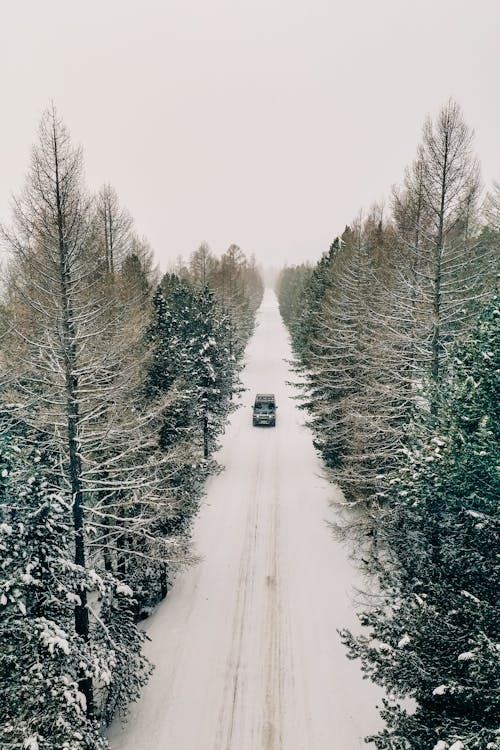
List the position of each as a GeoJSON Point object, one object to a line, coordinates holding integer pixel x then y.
{"type": "Point", "coordinates": [264, 410]}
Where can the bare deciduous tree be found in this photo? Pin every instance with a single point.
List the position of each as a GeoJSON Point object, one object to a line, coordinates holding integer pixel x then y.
{"type": "Point", "coordinates": [114, 228]}
{"type": "Point", "coordinates": [451, 184]}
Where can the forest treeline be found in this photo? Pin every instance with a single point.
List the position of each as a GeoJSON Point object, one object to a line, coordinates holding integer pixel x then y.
{"type": "Point", "coordinates": [396, 331]}
{"type": "Point", "coordinates": [114, 387]}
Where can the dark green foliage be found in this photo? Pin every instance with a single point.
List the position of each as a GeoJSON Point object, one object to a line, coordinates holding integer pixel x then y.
{"type": "Point", "coordinates": [191, 339]}
{"type": "Point", "coordinates": [435, 636]}
{"type": "Point", "coordinates": [117, 633]}
{"type": "Point", "coordinates": [40, 656]}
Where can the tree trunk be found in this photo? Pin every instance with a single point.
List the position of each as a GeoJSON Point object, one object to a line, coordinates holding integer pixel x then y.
{"type": "Point", "coordinates": [72, 415]}
{"type": "Point", "coordinates": [438, 251]}
{"type": "Point", "coordinates": [205, 436]}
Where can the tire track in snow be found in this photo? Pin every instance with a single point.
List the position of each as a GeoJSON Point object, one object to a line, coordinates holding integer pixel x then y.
{"type": "Point", "coordinates": [272, 725]}
{"type": "Point", "coordinates": [234, 678]}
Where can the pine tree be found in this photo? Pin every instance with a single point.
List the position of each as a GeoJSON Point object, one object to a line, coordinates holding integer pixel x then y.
{"type": "Point", "coordinates": [170, 332]}
{"type": "Point", "coordinates": [192, 347]}
{"type": "Point", "coordinates": [356, 384]}
{"type": "Point", "coordinates": [40, 657]}
{"type": "Point", "coordinates": [434, 636]}
{"type": "Point", "coordinates": [214, 368]}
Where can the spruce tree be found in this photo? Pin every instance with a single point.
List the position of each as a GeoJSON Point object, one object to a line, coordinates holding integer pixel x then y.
{"type": "Point", "coordinates": [41, 658]}
{"type": "Point", "coordinates": [213, 366]}
{"type": "Point", "coordinates": [434, 636]}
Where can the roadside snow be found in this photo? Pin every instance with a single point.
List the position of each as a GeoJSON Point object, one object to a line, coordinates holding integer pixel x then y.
{"type": "Point", "coordinates": [246, 648]}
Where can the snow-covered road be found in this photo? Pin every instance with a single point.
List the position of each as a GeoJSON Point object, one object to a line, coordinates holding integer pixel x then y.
{"type": "Point", "coordinates": [246, 650]}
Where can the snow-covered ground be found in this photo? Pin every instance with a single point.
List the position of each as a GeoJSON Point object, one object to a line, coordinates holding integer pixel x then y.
{"type": "Point", "coordinates": [246, 650]}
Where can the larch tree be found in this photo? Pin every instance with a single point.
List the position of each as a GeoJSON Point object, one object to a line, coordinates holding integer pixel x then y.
{"type": "Point", "coordinates": [74, 364]}
{"type": "Point", "coordinates": [232, 281]}
{"type": "Point", "coordinates": [114, 228]}
{"type": "Point", "coordinates": [51, 240]}
{"type": "Point", "coordinates": [447, 174]}
{"type": "Point", "coordinates": [356, 384]}
{"type": "Point", "coordinates": [202, 265]}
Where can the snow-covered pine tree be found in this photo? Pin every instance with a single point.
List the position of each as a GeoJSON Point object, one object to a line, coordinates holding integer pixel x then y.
{"type": "Point", "coordinates": [214, 368]}
{"type": "Point", "coordinates": [41, 659]}
{"type": "Point", "coordinates": [192, 346]}
{"type": "Point", "coordinates": [434, 637]}
{"type": "Point", "coordinates": [170, 332]}
{"type": "Point", "coordinates": [381, 313]}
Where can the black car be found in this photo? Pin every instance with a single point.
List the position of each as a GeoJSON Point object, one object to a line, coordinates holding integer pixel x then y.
{"type": "Point", "coordinates": [264, 410]}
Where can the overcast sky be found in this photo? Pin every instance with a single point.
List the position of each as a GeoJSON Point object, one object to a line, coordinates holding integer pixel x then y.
{"type": "Point", "coordinates": [268, 123]}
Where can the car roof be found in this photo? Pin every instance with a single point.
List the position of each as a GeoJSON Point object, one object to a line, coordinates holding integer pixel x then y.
{"type": "Point", "coordinates": [264, 397]}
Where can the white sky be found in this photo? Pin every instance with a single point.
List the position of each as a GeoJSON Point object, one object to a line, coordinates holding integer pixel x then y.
{"type": "Point", "coordinates": [268, 123]}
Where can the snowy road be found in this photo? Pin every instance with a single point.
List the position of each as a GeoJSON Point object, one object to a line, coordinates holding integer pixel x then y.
{"type": "Point", "coordinates": [245, 646]}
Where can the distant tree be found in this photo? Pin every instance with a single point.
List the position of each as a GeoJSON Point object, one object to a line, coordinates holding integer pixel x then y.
{"type": "Point", "coordinates": [202, 266]}
{"type": "Point", "coordinates": [489, 240]}
{"type": "Point", "coordinates": [290, 288]}
{"type": "Point", "coordinates": [138, 271]}
{"type": "Point", "coordinates": [305, 329]}
{"type": "Point", "coordinates": [114, 225]}
{"type": "Point", "coordinates": [238, 288]}
{"type": "Point", "coordinates": [237, 285]}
